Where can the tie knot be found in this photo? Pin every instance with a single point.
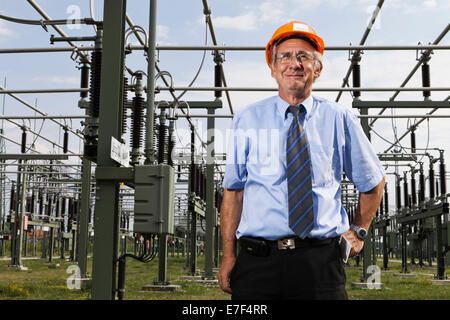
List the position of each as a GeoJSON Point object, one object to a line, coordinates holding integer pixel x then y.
{"type": "Point", "coordinates": [297, 110]}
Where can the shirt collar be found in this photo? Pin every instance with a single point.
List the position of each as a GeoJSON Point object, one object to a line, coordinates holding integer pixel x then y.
{"type": "Point", "coordinates": [282, 106]}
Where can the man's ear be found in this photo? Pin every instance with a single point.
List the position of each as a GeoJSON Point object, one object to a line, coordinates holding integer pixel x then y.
{"type": "Point", "coordinates": [272, 70]}
{"type": "Point", "coordinates": [318, 69]}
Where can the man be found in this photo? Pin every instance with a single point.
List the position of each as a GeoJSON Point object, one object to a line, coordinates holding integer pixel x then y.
{"type": "Point", "coordinates": [282, 183]}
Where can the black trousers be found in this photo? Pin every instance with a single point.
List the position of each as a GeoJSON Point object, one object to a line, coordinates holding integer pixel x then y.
{"type": "Point", "coordinates": [312, 272]}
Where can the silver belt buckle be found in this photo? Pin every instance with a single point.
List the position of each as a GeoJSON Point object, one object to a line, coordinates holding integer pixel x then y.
{"type": "Point", "coordinates": [287, 243]}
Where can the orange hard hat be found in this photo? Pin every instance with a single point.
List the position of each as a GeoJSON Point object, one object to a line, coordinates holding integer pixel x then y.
{"type": "Point", "coordinates": [294, 28]}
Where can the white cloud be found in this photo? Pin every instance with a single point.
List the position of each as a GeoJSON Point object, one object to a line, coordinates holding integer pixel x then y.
{"type": "Point", "coordinates": [273, 12]}
{"type": "Point", "coordinates": [4, 31]}
{"type": "Point", "coordinates": [162, 32]}
{"type": "Point", "coordinates": [430, 3]}
{"type": "Point", "coordinates": [244, 22]}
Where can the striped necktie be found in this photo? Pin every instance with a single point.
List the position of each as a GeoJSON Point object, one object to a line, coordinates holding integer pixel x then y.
{"type": "Point", "coordinates": [301, 213]}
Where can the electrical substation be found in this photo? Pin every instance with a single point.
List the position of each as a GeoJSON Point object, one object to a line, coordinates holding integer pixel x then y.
{"type": "Point", "coordinates": [115, 170]}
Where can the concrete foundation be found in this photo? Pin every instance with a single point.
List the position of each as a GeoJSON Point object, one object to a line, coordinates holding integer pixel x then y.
{"type": "Point", "coordinates": [160, 287]}
{"type": "Point", "coordinates": [405, 275]}
{"type": "Point", "coordinates": [368, 285]}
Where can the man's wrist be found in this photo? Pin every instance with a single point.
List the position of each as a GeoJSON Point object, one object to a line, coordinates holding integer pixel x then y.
{"type": "Point", "coordinates": [361, 233]}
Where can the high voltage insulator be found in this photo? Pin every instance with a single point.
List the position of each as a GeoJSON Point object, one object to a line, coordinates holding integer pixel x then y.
{"type": "Point", "coordinates": [163, 141]}
{"type": "Point", "coordinates": [155, 133]}
{"type": "Point", "coordinates": [426, 79]}
{"type": "Point", "coordinates": [12, 201]}
{"type": "Point", "coordinates": [421, 185]}
{"type": "Point", "coordinates": [218, 79]}
{"type": "Point", "coordinates": [137, 122]}
{"type": "Point", "coordinates": [413, 189]}
{"type": "Point", "coordinates": [84, 79]}
{"type": "Point", "coordinates": [66, 140]}
{"type": "Point", "coordinates": [94, 90]}
{"type": "Point", "coordinates": [24, 141]}
{"type": "Point", "coordinates": [41, 203]}
{"type": "Point", "coordinates": [124, 105]}
{"type": "Point", "coordinates": [171, 146]}
{"type": "Point", "coordinates": [356, 73]}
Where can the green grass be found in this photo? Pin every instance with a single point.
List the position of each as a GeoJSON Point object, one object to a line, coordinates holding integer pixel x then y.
{"type": "Point", "coordinates": [398, 288]}
{"type": "Point", "coordinates": [46, 281]}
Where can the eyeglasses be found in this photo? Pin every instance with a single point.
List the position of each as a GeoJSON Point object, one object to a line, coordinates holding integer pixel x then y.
{"type": "Point", "coordinates": [286, 57]}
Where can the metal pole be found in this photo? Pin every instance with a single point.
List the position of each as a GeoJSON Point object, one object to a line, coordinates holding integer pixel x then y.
{"type": "Point", "coordinates": [324, 89]}
{"type": "Point", "coordinates": [83, 221]}
{"type": "Point", "coordinates": [21, 216]}
{"type": "Point", "coordinates": [210, 209]}
{"type": "Point", "coordinates": [223, 48]}
{"type": "Point", "coordinates": [149, 150]}
{"type": "Point", "coordinates": [24, 91]}
{"type": "Point", "coordinates": [106, 222]}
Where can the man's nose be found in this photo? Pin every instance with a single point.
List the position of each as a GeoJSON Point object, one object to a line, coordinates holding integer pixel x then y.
{"type": "Point", "coordinates": [295, 63]}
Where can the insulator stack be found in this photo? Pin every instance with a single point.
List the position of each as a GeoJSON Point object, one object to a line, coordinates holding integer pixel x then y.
{"type": "Point", "coordinates": [405, 193]}
{"type": "Point", "coordinates": [137, 122]}
{"type": "Point", "coordinates": [13, 199]}
{"type": "Point", "coordinates": [171, 146]}
{"type": "Point", "coordinates": [66, 141]}
{"type": "Point", "coordinates": [398, 193]}
{"type": "Point", "coordinates": [193, 172]}
{"type": "Point", "coordinates": [218, 79]}
{"type": "Point", "coordinates": [197, 180]}
{"type": "Point", "coordinates": [155, 133]}
{"type": "Point", "coordinates": [356, 79]}
{"type": "Point", "coordinates": [380, 208]}
{"type": "Point", "coordinates": [413, 141]}
{"type": "Point", "coordinates": [386, 200]}
{"type": "Point", "coordinates": [442, 178]}
{"type": "Point", "coordinates": [163, 141]}
{"type": "Point", "coordinates": [431, 181]}
{"type": "Point", "coordinates": [124, 105]}
{"type": "Point", "coordinates": [49, 206]}
{"type": "Point", "coordinates": [84, 80]}
{"type": "Point", "coordinates": [41, 203]}
{"type": "Point", "coordinates": [422, 187]}
{"type": "Point", "coordinates": [94, 90]}
{"type": "Point", "coordinates": [426, 79]}
{"type": "Point", "coordinates": [33, 202]}
{"type": "Point", "coordinates": [413, 190]}
{"type": "Point", "coordinates": [24, 141]}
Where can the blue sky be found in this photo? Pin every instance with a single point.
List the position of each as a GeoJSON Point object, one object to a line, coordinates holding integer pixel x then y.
{"type": "Point", "coordinates": [181, 22]}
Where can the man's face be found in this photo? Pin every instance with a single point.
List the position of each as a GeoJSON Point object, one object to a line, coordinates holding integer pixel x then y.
{"type": "Point", "coordinates": [294, 77]}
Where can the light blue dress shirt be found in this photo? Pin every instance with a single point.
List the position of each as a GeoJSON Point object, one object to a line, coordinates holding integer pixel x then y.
{"type": "Point", "coordinates": [256, 162]}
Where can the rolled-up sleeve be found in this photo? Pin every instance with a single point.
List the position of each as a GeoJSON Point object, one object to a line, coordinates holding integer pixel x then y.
{"type": "Point", "coordinates": [237, 152]}
{"type": "Point", "coordinates": [361, 164]}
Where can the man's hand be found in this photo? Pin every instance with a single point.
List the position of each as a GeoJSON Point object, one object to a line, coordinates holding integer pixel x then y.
{"type": "Point", "coordinates": [230, 215]}
{"type": "Point", "coordinates": [356, 243]}
{"type": "Point", "coordinates": [224, 273]}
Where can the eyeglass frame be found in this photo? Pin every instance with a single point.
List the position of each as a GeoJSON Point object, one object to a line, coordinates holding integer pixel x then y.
{"type": "Point", "coordinates": [300, 56]}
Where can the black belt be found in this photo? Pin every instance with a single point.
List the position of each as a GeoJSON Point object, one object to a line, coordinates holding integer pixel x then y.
{"type": "Point", "coordinates": [261, 247]}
